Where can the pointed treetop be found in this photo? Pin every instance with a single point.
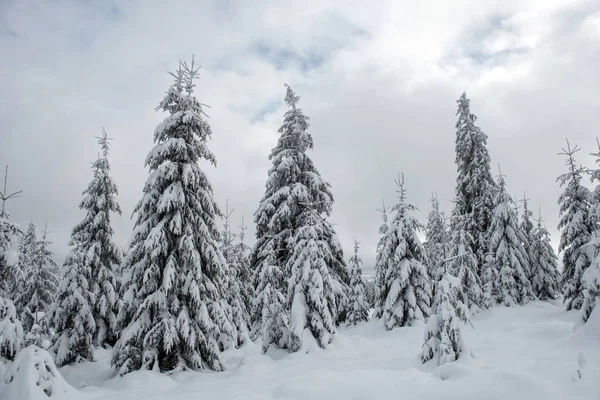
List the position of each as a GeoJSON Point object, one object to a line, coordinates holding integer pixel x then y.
{"type": "Point", "coordinates": [103, 141]}
{"type": "Point", "coordinates": [463, 104]}
{"type": "Point", "coordinates": [190, 72]}
{"type": "Point", "coordinates": [399, 181]}
{"type": "Point", "coordinates": [383, 210]}
{"type": "Point", "coordinates": [525, 202]}
{"type": "Point", "coordinates": [227, 234]}
{"type": "Point", "coordinates": [598, 153]}
{"type": "Point", "coordinates": [501, 181]}
{"type": "Point", "coordinates": [291, 98]}
{"type": "Point", "coordinates": [5, 196]}
{"type": "Point", "coordinates": [242, 228]}
{"type": "Point", "coordinates": [570, 153]}
{"type": "Point", "coordinates": [539, 220]}
{"type": "Point", "coordinates": [356, 246]}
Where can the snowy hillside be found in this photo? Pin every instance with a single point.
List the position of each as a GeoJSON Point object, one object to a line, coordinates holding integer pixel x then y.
{"type": "Point", "coordinates": [528, 352]}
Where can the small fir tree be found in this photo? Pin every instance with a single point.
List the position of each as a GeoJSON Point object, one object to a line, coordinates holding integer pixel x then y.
{"type": "Point", "coordinates": [11, 331]}
{"type": "Point", "coordinates": [576, 228]}
{"type": "Point", "coordinates": [359, 308]}
{"type": "Point", "coordinates": [40, 284]}
{"type": "Point", "coordinates": [436, 244]}
{"type": "Point", "coordinates": [545, 277]}
{"type": "Point", "coordinates": [401, 278]}
{"type": "Point", "coordinates": [528, 231]}
{"type": "Point", "coordinates": [505, 275]}
{"type": "Point", "coordinates": [443, 338]}
{"type": "Point", "coordinates": [383, 229]}
{"type": "Point", "coordinates": [71, 312]}
{"type": "Point", "coordinates": [244, 275]}
{"type": "Point", "coordinates": [234, 294]}
{"type": "Point", "coordinates": [10, 233]}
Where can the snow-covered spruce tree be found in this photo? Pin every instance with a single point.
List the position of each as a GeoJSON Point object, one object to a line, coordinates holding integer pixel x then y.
{"type": "Point", "coordinates": [462, 264]}
{"type": "Point", "coordinates": [40, 284]}
{"type": "Point", "coordinates": [504, 274]}
{"type": "Point", "coordinates": [173, 310]}
{"type": "Point", "coordinates": [10, 235]}
{"type": "Point", "coordinates": [102, 253]}
{"type": "Point", "coordinates": [294, 185]}
{"type": "Point", "coordinates": [591, 292]}
{"type": "Point", "coordinates": [11, 331]}
{"type": "Point", "coordinates": [436, 244]}
{"type": "Point", "coordinates": [27, 248]}
{"type": "Point", "coordinates": [545, 277]}
{"type": "Point", "coordinates": [233, 294]}
{"type": "Point", "coordinates": [528, 232]}
{"type": "Point", "coordinates": [591, 277]}
{"type": "Point", "coordinates": [241, 251]}
{"type": "Point", "coordinates": [576, 228]}
{"type": "Point", "coordinates": [71, 312]}
{"type": "Point", "coordinates": [383, 229]}
{"type": "Point", "coordinates": [359, 308]}
{"type": "Point", "coordinates": [475, 186]}
{"type": "Point", "coordinates": [310, 287]}
{"type": "Point", "coordinates": [443, 338]}
{"type": "Point", "coordinates": [269, 312]}
{"type": "Point", "coordinates": [404, 293]}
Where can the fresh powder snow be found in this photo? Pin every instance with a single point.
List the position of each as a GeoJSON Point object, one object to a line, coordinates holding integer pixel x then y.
{"type": "Point", "coordinates": [529, 353]}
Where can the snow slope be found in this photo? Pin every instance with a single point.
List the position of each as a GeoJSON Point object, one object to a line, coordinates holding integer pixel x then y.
{"type": "Point", "coordinates": [528, 353]}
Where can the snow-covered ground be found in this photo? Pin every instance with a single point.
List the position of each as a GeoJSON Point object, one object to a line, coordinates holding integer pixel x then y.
{"type": "Point", "coordinates": [528, 353]}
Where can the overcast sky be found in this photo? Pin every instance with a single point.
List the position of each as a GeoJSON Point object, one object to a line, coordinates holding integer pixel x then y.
{"type": "Point", "coordinates": [379, 83]}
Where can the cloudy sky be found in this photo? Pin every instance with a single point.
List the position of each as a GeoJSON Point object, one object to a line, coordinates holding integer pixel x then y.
{"type": "Point", "coordinates": [380, 84]}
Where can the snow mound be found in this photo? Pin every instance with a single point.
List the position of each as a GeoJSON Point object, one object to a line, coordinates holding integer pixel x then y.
{"type": "Point", "coordinates": [33, 376]}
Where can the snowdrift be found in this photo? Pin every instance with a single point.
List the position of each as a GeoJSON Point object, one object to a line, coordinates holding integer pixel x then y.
{"type": "Point", "coordinates": [33, 376]}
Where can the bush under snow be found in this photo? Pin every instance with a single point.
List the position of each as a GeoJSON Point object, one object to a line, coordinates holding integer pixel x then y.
{"type": "Point", "coordinates": [33, 376]}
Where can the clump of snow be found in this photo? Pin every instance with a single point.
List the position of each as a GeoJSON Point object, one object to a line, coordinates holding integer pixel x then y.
{"type": "Point", "coordinates": [34, 376]}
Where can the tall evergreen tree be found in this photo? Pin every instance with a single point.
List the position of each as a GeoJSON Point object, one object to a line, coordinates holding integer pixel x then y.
{"type": "Point", "coordinates": [403, 283]}
{"type": "Point", "coordinates": [576, 229]}
{"type": "Point", "coordinates": [463, 265]}
{"type": "Point", "coordinates": [528, 231]}
{"type": "Point", "coordinates": [310, 291]}
{"type": "Point", "coordinates": [591, 277]}
{"type": "Point", "coordinates": [545, 276]}
{"type": "Point", "coordinates": [436, 244]}
{"type": "Point", "coordinates": [475, 186]}
{"type": "Point", "coordinates": [175, 275]}
{"type": "Point", "coordinates": [505, 277]}
{"type": "Point", "coordinates": [234, 294]}
{"type": "Point", "coordinates": [40, 283]}
{"type": "Point", "coordinates": [103, 254]}
{"type": "Point", "coordinates": [294, 186]}
{"type": "Point", "coordinates": [84, 312]}
{"type": "Point", "coordinates": [359, 308]}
